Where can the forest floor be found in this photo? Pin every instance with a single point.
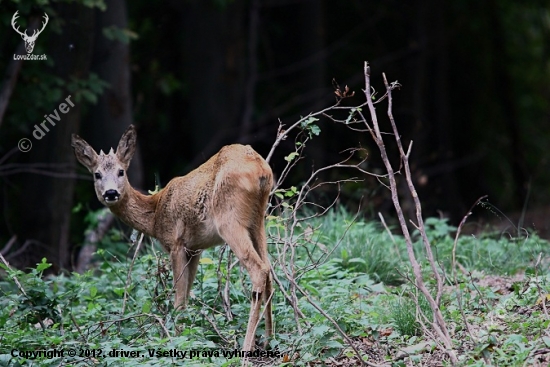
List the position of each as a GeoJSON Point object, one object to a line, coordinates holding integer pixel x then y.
{"type": "Point", "coordinates": [342, 293]}
{"type": "Point", "coordinates": [383, 352]}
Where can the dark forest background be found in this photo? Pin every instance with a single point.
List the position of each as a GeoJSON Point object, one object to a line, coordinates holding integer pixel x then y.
{"type": "Point", "coordinates": [194, 75]}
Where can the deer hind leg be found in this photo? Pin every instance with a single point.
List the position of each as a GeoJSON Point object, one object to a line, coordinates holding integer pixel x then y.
{"type": "Point", "coordinates": [258, 236]}
{"type": "Point", "coordinates": [184, 270]}
{"type": "Point", "coordinates": [240, 242]}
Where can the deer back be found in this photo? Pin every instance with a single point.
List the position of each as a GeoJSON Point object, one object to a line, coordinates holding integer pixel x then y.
{"type": "Point", "coordinates": [234, 184]}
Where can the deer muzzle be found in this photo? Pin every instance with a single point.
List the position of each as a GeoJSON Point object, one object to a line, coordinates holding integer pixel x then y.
{"type": "Point", "coordinates": [111, 196]}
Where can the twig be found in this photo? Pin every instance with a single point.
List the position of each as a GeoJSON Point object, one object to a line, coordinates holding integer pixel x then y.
{"type": "Point", "coordinates": [298, 313]}
{"type": "Point", "coordinates": [542, 294]}
{"type": "Point", "coordinates": [59, 170]}
{"type": "Point", "coordinates": [225, 293]}
{"type": "Point", "coordinates": [129, 275]}
{"type": "Point", "coordinates": [23, 248]}
{"type": "Point", "coordinates": [10, 152]}
{"type": "Point", "coordinates": [215, 327]}
{"type": "Point", "coordinates": [454, 265]}
{"type": "Point", "coordinates": [338, 328]}
{"type": "Point", "coordinates": [283, 134]}
{"type": "Point", "coordinates": [8, 245]}
{"type": "Point", "coordinates": [13, 276]}
{"type": "Point", "coordinates": [75, 323]}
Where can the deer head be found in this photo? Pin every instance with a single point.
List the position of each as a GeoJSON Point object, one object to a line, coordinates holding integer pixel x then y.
{"type": "Point", "coordinates": [109, 170]}
{"type": "Point", "coordinates": [29, 40]}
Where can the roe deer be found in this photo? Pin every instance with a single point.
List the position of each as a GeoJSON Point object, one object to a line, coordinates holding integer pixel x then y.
{"type": "Point", "coordinates": [223, 200]}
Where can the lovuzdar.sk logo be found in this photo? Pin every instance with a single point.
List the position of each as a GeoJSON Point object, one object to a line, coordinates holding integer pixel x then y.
{"type": "Point", "coordinates": [29, 40]}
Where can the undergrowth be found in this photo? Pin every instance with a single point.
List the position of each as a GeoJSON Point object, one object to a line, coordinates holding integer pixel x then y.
{"type": "Point", "coordinates": [356, 272]}
{"type": "Point", "coordinates": [365, 246]}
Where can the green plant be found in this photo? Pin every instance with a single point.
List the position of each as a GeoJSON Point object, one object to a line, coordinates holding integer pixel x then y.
{"type": "Point", "coordinates": [362, 246]}
{"type": "Point", "coordinates": [84, 311]}
{"type": "Point", "coordinates": [403, 313]}
{"type": "Point", "coordinates": [495, 254]}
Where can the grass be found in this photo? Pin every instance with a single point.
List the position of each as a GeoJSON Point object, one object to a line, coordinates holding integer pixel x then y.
{"type": "Point", "coordinates": [352, 270]}
{"type": "Point", "coordinates": [364, 246]}
{"type": "Point", "coordinates": [361, 246]}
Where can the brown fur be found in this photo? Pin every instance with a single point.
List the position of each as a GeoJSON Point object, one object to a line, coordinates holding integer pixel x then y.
{"type": "Point", "coordinates": [223, 200]}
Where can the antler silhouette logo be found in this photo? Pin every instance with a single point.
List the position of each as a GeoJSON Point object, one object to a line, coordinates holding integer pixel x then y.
{"type": "Point", "coordinates": [29, 40]}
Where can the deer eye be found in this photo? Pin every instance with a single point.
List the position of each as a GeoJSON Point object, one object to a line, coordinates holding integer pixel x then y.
{"type": "Point", "coordinates": [97, 176]}
{"type": "Point", "coordinates": [120, 172]}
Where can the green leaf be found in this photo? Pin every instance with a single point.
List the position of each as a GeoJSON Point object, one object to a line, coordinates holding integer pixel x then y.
{"type": "Point", "coordinates": [357, 260]}
{"type": "Point", "coordinates": [291, 192]}
{"type": "Point", "coordinates": [146, 308]}
{"type": "Point", "coordinates": [118, 291]}
{"type": "Point", "coordinates": [43, 265]}
{"type": "Point", "coordinates": [291, 156]}
{"type": "Point", "coordinates": [89, 96]}
{"type": "Point", "coordinates": [310, 120]}
{"type": "Point", "coordinates": [320, 330]}
{"type": "Point", "coordinates": [315, 130]}
{"type": "Point", "coordinates": [93, 291]}
{"type": "Point", "coordinates": [286, 205]}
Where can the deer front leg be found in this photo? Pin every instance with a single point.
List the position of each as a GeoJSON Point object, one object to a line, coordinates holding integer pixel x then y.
{"type": "Point", "coordinates": [177, 255]}
{"type": "Point", "coordinates": [184, 270]}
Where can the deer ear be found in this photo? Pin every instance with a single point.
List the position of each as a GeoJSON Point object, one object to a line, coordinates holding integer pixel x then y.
{"type": "Point", "coordinates": [127, 145]}
{"type": "Point", "coordinates": [84, 153]}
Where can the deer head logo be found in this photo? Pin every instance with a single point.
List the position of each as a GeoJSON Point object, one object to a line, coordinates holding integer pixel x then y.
{"type": "Point", "coordinates": [29, 40]}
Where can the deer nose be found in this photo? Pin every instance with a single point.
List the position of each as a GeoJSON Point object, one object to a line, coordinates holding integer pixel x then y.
{"type": "Point", "coordinates": [111, 195]}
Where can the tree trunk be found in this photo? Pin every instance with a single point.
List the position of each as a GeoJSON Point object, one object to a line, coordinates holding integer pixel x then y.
{"type": "Point", "coordinates": [213, 54]}
{"type": "Point", "coordinates": [310, 28]}
{"type": "Point", "coordinates": [442, 118]}
{"type": "Point", "coordinates": [111, 62]}
{"type": "Point", "coordinates": [46, 201]}
{"type": "Point", "coordinates": [503, 87]}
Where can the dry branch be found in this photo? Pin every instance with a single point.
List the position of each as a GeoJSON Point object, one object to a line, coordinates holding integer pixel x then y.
{"type": "Point", "coordinates": [286, 252]}
{"type": "Point", "coordinates": [438, 323]}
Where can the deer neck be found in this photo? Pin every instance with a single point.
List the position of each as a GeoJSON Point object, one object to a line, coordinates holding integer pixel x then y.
{"type": "Point", "coordinates": [137, 210]}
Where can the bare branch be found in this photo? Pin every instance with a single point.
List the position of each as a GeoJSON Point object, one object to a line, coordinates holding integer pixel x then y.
{"type": "Point", "coordinates": [10, 243]}
{"type": "Point", "coordinates": [129, 274]}
{"type": "Point", "coordinates": [282, 134]}
{"type": "Point", "coordinates": [438, 324]}
{"type": "Point", "coordinates": [16, 281]}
